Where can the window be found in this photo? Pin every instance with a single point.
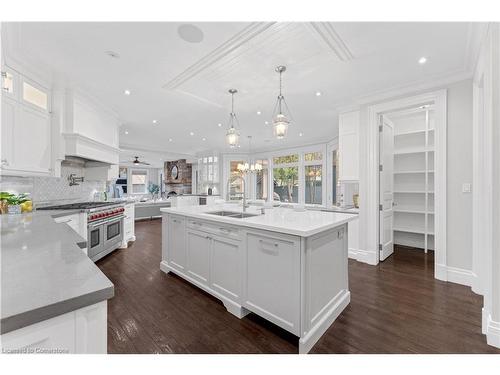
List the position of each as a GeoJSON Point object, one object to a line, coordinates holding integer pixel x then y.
{"type": "Point", "coordinates": [313, 156]}
{"type": "Point", "coordinates": [287, 159]}
{"type": "Point", "coordinates": [139, 181]}
{"type": "Point", "coordinates": [313, 184]}
{"type": "Point", "coordinates": [208, 173]}
{"type": "Point", "coordinates": [262, 180]}
{"type": "Point", "coordinates": [34, 96]}
{"type": "Point", "coordinates": [335, 176]}
{"type": "Point", "coordinates": [236, 185]}
{"type": "Point", "coordinates": [286, 184]}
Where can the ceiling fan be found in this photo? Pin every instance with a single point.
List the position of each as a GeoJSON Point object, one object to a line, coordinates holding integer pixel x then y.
{"type": "Point", "coordinates": [136, 161]}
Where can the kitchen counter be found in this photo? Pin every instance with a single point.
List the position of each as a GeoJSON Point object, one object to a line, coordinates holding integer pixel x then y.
{"type": "Point", "coordinates": [282, 220]}
{"type": "Point", "coordinates": [44, 272]}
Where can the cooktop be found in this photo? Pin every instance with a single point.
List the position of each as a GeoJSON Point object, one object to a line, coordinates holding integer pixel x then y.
{"type": "Point", "coordinates": [78, 206]}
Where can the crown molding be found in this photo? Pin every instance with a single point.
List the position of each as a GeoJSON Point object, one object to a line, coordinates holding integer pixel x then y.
{"type": "Point", "coordinates": [329, 35]}
{"type": "Point", "coordinates": [245, 35]}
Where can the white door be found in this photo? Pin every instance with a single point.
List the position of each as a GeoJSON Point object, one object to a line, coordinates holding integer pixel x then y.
{"type": "Point", "coordinates": [386, 187]}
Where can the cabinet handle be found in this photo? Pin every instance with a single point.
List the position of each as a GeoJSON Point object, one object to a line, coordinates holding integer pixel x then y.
{"type": "Point", "coordinates": [208, 237]}
{"type": "Point", "coordinates": [225, 230]}
{"type": "Point", "coordinates": [269, 247]}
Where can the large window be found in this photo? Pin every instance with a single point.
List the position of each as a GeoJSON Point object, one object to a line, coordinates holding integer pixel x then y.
{"type": "Point", "coordinates": [236, 182]}
{"type": "Point", "coordinates": [262, 180]}
{"type": "Point", "coordinates": [139, 179]}
{"type": "Point", "coordinates": [286, 178]}
{"type": "Point", "coordinates": [313, 177]}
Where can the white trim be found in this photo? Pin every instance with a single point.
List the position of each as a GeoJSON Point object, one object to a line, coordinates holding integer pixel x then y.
{"type": "Point", "coordinates": [456, 275]}
{"type": "Point", "coordinates": [371, 202]}
{"type": "Point", "coordinates": [492, 330]}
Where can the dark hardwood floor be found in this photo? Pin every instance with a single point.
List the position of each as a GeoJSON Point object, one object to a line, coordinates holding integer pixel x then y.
{"type": "Point", "coordinates": [396, 307]}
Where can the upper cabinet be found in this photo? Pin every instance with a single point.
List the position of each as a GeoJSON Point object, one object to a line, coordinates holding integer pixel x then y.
{"type": "Point", "coordinates": [26, 127]}
{"type": "Point", "coordinates": [348, 152]}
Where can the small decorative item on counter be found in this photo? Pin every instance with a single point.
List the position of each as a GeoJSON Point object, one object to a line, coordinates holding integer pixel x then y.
{"type": "Point", "coordinates": [153, 190]}
{"type": "Point", "coordinates": [15, 204]}
{"type": "Point", "coordinates": [355, 199]}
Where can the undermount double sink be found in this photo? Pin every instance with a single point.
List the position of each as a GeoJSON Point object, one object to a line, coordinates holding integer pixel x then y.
{"type": "Point", "coordinates": [236, 215]}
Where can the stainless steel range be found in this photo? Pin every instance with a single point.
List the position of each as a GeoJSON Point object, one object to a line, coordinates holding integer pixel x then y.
{"type": "Point", "coordinates": [104, 225]}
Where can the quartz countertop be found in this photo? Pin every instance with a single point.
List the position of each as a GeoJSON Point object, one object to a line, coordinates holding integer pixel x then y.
{"type": "Point", "coordinates": [44, 272]}
{"type": "Point", "coordinates": [283, 220]}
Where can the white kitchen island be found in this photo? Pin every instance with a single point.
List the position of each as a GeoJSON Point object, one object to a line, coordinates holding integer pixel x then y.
{"type": "Point", "coordinates": [288, 267]}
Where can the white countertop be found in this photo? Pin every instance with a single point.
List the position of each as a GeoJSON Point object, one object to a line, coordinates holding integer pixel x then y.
{"type": "Point", "coordinates": [282, 220]}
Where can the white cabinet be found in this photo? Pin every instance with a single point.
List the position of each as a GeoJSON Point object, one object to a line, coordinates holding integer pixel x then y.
{"type": "Point", "coordinates": [77, 222]}
{"type": "Point", "coordinates": [225, 275]}
{"type": "Point", "coordinates": [198, 255]}
{"type": "Point", "coordinates": [26, 126]}
{"type": "Point", "coordinates": [273, 279]}
{"type": "Point", "coordinates": [348, 152]}
{"type": "Point", "coordinates": [83, 331]}
{"type": "Point", "coordinates": [176, 242]}
{"type": "Point", "coordinates": [128, 224]}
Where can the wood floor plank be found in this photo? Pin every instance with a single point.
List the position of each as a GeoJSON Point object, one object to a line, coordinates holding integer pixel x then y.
{"type": "Point", "coordinates": [396, 307]}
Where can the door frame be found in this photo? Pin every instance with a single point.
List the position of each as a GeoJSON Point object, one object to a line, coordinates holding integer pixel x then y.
{"type": "Point", "coordinates": [439, 98]}
{"type": "Point", "coordinates": [330, 147]}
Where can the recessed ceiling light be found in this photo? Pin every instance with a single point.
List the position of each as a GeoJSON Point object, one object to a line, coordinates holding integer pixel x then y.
{"type": "Point", "coordinates": [266, 122]}
{"type": "Point", "coordinates": [191, 133]}
{"type": "Point", "coordinates": [170, 139]}
{"type": "Point", "coordinates": [190, 33]}
{"type": "Point", "coordinates": [154, 121]}
{"type": "Point", "coordinates": [126, 131]}
{"type": "Point", "coordinates": [219, 124]}
{"type": "Point", "coordinates": [300, 134]}
{"type": "Point", "coordinates": [113, 54]}
{"type": "Point", "coordinates": [318, 93]}
{"type": "Point", "coordinates": [203, 139]}
{"type": "Point", "coordinates": [127, 92]}
{"type": "Point", "coordinates": [259, 112]}
{"type": "Point", "coordinates": [422, 60]}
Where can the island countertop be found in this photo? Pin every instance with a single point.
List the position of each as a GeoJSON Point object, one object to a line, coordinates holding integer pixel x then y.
{"type": "Point", "coordinates": [282, 220]}
{"type": "Point", "coordinates": [44, 273]}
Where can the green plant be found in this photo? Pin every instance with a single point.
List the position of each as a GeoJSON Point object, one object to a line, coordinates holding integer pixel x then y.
{"type": "Point", "coordinates": [13, 199]}
{"type": "Point", "coordinates": [153, 188]}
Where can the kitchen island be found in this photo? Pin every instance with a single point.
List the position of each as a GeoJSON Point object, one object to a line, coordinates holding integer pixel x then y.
{"type": "Point", "coordinates": [53, 297]}
{"type": "Point", "coordinates": [286, 266]}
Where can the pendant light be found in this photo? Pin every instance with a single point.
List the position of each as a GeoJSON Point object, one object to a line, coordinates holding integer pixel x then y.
{"type": "Point", "coordinates": [232, 135]}
{"type": "Point", "coordinates": [280, 121]}
{"type": "Point", "coordinates": [244, 168]}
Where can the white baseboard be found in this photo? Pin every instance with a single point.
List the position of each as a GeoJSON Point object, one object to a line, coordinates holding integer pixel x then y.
{"type": "Point", "coordinates": [454, 275]}
{"type": "Point", "coordinates": [363, 256]}
{"type": "Point", "coordinates": [493, 332]}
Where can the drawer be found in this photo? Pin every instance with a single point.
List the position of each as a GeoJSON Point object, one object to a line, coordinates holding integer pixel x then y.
{"type": "Point", "coordinates": [215, 228]}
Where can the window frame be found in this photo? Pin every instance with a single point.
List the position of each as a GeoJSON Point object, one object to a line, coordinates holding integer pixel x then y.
{"type": "Point", "coordinates": [130, 189]}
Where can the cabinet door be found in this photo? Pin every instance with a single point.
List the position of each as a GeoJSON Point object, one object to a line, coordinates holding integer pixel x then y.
{"type": "Point", "coordinates": [9, 114]}
{"type": "Point", "coordinates": [353, 236]}
{"type": "Point", "coordinates": [273, 280]}
{"type": "Point", "coordinates": [226, 269]}
{"type": "Point", "coordinates": [348, 154]}
{"type": "Point", "coordinates": [176, 251]}
{"type": "Point", "coordinates": [198, 255]}
{"type": "Point", "coordinates": [129, 221]}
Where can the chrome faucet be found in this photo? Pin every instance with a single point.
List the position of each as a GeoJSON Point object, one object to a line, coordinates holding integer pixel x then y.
{"type": "Point", "coordinates": [228, 190]}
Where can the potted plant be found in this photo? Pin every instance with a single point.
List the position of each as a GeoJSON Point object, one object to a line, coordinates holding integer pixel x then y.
{"type": "Point", "coordinates": [14, 202]}
{"type": "Point", "coordinates": [153, 190]}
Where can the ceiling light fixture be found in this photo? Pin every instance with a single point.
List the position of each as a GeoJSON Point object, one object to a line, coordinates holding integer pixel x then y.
{"type": "Point", "coordinates": [318, 93]}
{"type": "Point", "coordinates": [232, 135]}
{"type": "Point", "coordinates": [219, 125]}
{"type": "Point", "coordinates": [127, 92]}
{"type": "Point", "coordinates": [280, 121]}
{"type": "Point", "coordinates": [266, 122]}
{"type": "Point", "coordinates": [170, 139]}
{"type": "Point", "coordinates": [244, 168]}
{"type": "Point", "coordinates": [259, 112]}
{"type": "Point", "coordinates": [422, 60]}
{"type": "Point", "coordinates": [126, 131]}
{"type": "Point", "coordinates": [191, 133]}
{"type": "Point", "coordinates": [112, 54]}
{"type": "Point", "coordinates": [203, 139]}
{"type": "Point", "coordinates": [300, 134]}
{"type": "Point", "coordinates": [154, 121]}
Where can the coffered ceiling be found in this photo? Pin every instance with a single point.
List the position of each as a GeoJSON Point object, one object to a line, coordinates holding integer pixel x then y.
{"type": "Point", "coordinates": [178, 74]}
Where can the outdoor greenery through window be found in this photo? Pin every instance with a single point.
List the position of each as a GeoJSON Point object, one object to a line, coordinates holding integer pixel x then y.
{"type": "Point", "coordinates": [286, 184]}
{"type": "Point", "coordinates": [236, 184]}
{"type": "Point", "coordinates": [313, 184]}
{"type": "Point", "coordinates": [313, 156]}
{"type": "Point", "coordinates": [286, 159]}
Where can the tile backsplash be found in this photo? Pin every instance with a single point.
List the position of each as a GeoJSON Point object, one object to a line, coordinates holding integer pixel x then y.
{"type": "Point", "coordinates": [54, 189]}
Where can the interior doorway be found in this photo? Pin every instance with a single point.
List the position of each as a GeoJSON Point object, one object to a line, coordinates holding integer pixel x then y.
{"type": "Point", "coordinates": [409, 208]}
{"type": "Point", "coordinates": [406, 177]}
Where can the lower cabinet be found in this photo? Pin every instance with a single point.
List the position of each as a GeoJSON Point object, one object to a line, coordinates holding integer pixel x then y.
{"type": "Point", "coordinates": [273, 279]}
{"type": "Point", "coordinates": [81, 331]}
{"type": "Point", "coordinates": [176, 240]}
{"type": "Point", "coordinates": [198, 255]}
{"type": "Point", "coordinates": [129, 224]}
{"type": "Point", "coordinates": [226, 267]}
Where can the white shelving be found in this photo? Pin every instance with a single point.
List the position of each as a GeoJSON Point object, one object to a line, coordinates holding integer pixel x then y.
{"type": "Point", "coordinates": [414, 178]}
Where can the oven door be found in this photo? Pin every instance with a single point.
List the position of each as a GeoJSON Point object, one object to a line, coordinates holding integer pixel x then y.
{"type": "Point", "coordinates": [95, 239]}
{"type": "Point", "coordinates": [113, 233]}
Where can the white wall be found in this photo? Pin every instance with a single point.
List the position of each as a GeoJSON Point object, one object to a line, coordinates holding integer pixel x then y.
{"type": "Point", "coordinates": [459, 168]}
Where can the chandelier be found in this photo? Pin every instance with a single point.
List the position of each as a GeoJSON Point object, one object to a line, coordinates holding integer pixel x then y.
{"type": "Point", "coordinates": [245, 168]}
{"type": "Point", "coordinates": [232, 135]}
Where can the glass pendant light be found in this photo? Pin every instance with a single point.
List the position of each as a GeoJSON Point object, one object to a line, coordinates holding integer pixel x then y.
{"type": "Point", "coordinates": [280, 121]}
{"type": "Point", "coordinates": [232, 135]}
